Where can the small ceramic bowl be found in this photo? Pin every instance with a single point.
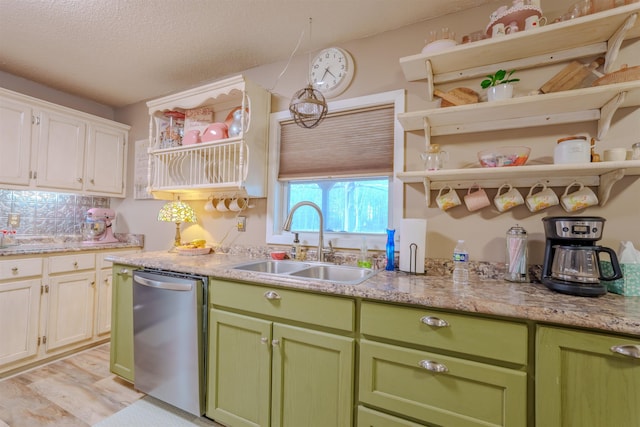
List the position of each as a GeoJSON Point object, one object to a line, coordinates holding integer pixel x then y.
{"type": "Point", "coordinates": [278, 255]}
{"type": "Point", "coordinates": [214, 132]}
{"type": "Point", "coordinates": [191, 137]}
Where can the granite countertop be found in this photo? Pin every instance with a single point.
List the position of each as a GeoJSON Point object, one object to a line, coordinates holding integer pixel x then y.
{"type": "Point", "coordinates": [52, 245]}
{"type": "Point", "coordinates": [610, 312]}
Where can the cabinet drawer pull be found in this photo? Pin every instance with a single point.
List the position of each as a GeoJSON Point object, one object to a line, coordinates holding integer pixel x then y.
{"type": "Point", "coordinates": [124, 272]}
{"type": "Point", "coordinates": [271, 295]}
{"type": "Point", "coordinates": [627, 350]}
{"type": "Point", "coordinates": [14, 270]}
{"type": "Point", "coordinates": [75, 264]}
{"type": "Point", "coordinates": [434, 321]}
{"type": "Point", "coordinates": [432, 366]}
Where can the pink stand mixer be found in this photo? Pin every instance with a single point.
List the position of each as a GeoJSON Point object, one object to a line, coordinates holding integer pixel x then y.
{"type": "Point", "coordinates": [96, 227]}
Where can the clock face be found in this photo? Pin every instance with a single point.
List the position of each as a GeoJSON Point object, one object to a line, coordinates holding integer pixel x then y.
{"type": "Point", "coordinates": [332, 71]}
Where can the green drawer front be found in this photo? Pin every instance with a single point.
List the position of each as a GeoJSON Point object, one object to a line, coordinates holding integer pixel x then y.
{"type": "Point", "coordinates": [469, 394]}
{"type": "Point", "coordinates": [494, 339]}
{"type": "Point", "coordinates": [370, 418]}
{"type": "Point", "coordinates": [321, 310]}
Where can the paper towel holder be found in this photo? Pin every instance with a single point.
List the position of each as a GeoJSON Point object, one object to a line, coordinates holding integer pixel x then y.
{"type": "Point", "coordinates": [413, 258]}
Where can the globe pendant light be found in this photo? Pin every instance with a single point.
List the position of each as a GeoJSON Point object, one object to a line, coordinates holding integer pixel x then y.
{"type": "Point", "coordinates": [308, 106]}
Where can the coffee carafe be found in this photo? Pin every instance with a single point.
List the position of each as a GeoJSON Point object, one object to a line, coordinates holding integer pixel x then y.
{"type": "Point", "coordinates": [572, 259]}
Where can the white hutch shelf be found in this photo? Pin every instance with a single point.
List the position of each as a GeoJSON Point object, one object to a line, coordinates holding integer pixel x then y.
{"type": "Point", "coordinates": [229, 167]}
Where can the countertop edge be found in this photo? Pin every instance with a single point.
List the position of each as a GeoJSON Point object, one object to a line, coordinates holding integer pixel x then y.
{"type": "Point", "coordinates": [521, 301]}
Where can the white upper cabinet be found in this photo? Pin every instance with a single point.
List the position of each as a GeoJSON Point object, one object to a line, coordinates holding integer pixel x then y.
{"type": "Point", "coordinates": [15, 142]}
{"type": "Point", "coordinates": [106, 156]}
{"type": "Point", "coordinates": [61, 143]}
{"type": "Point", "coordinates": [236, 165]}
{"type": "Point", "coordinates": [46, 146]}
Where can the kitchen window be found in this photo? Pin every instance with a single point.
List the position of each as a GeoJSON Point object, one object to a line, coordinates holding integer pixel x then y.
{"type": "Point", "coordinates": [346, 166]}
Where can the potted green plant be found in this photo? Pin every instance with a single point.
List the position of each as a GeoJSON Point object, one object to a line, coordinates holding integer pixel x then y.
{"type": "Point", "coordinates": [498, 85]}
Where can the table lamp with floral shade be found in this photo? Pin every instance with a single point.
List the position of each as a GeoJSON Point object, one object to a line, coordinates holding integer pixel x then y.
{"type": "Point", "coordinates": [177, 212]}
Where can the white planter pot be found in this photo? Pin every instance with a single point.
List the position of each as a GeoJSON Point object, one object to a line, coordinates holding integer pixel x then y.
{"type": "Point", "coordinates": [503, 91]}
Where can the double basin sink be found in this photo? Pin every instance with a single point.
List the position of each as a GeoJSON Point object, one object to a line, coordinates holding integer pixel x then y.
{"type": "Point", "coordinates": [341, 274]}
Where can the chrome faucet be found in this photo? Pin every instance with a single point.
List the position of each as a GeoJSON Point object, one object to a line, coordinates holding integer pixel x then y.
{"type": "Point", "coordinates": [287, 225]}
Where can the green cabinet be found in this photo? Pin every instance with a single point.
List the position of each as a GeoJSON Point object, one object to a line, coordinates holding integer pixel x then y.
{"type": "Point", "coordinates": [121, 360]}
{"type": "Point", "coordinates": [442, 368]}
{"type": "Point", "coordinates": [582, 381]}
{"type": "Point", "coordinates": [268, 369]}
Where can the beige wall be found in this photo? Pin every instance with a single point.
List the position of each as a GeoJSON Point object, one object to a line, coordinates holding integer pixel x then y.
{"type": "Point", "coordinates": [378, 70]}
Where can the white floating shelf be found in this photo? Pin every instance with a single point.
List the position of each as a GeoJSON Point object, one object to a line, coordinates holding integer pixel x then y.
{"type": "Point", "coordinates": [580, 37]}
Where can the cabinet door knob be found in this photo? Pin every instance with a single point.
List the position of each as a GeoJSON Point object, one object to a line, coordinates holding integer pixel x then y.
{"type": "Point", "coordinates": [627, 350]}
{"type": "Point", "coordinates": [271, 295]}
{"type": "Point", "coordinates": [75, 264]}
{"type": "Point", "coordinates": [79, 180]}
{"type": "Point", "coordinates": [432, 366]}
{"type": "Point", "coordinates": [434, 321]}
{"type": "Point", "coordinates": [123, 272]}
{"type": "Point", "coordinates": [275, 343]}
{"type": "Point", "coordinates": [264, 340]}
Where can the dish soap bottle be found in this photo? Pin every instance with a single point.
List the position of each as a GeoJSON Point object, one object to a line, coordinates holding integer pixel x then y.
{"type": "Point", "coordinates": [391, 250]}
{"type": "Point", "coordinates": [363, 260]}
{"type": "Point", "coordinates": [295, 248]}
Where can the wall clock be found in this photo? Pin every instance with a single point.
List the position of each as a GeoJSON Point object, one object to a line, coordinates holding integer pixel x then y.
{"type": "Point", "coordinates": [331, 71]}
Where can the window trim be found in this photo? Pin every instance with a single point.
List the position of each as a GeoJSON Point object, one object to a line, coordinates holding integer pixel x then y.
{"type": "Point", "coordinates": [277, 190]}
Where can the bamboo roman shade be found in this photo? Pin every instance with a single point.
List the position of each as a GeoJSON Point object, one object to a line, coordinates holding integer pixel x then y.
{"type": "Point", "coordinates": [352, 143]}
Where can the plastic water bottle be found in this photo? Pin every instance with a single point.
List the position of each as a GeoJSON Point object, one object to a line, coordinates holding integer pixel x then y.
{"type": "Point", "coordinates": [460, 264]}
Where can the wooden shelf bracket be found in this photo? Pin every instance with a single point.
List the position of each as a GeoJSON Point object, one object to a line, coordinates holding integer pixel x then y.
{"type": "Point", "coordinates": [427, 191]}
{"type": "Point", "coordinates": [606, 183]}
{"type": "Point", "coordinates": [430, 85]}
{"type": "Point", "coordinates": [606, 113]}
{"type": "Point", "coordinates": [613, 44]}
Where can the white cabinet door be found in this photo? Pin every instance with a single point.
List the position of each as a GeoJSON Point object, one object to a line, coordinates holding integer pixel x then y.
{"type": "Point", "coordinates": [105, 160]}
{"type": "Point", "coordinates": [70, 313]}
{"type": "Point", "coordinates": [61, 142]}
{"type": "Point", "coordinates": [15, 142]}
{"type": "Point", "coordinates": [103, 302]}
{"type": "Point", "coordinates": [19, 308]}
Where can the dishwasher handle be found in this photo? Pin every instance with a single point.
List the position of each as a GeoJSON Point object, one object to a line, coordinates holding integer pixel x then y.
{"type": "Point", "coordinates": [172, 286]}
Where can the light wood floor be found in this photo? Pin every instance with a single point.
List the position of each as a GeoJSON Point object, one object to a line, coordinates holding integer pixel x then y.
{"type": "Point", "coordinates": [77, 391]}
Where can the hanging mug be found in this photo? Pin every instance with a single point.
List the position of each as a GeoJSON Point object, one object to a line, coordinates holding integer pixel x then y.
{"type": "Point", "coordinates": [476, 199]}
{"type": "Point", "coordinates": [223, 205]}
{"type": "Point", "coordinates": [582, 198]}
{"type": "Point", "coordinates": [238, 204]}
{"type": "Point", "coordinates": [542, 199]}
{"type": "Point", "coordinates": [209, 206]}
{"type": "Point", "coordinates": [447, 200]}
{"type": "Point", "coordinates": [509, 199]}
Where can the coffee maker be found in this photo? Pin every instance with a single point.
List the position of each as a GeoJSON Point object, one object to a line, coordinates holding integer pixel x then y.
{"type": "Point", "coordinates": [571, 257]}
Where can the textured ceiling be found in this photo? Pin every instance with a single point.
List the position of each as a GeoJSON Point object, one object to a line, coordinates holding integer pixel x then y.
{"type": "Point", "coordinates": [118, 52]}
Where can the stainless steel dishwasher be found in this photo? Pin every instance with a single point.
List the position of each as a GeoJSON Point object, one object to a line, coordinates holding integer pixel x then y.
{"type": "Point", "coordinates": [170, 338]}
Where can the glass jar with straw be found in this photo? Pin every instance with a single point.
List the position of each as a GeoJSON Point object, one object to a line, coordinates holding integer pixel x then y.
{"type": "Point", "coordinates": [516, 256]}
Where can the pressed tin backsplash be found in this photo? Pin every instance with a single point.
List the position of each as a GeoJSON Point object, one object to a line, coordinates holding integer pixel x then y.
{"type": "Point", "coordinates": [45, 213]}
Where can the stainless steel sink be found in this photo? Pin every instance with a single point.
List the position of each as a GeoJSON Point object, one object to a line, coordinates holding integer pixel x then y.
{"type": "Point", "coordinates": [272, 266]}
{"type": "Point", "coordinates": [328, 272]}
{"type": "Point", "coordinates": [335, 273]}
